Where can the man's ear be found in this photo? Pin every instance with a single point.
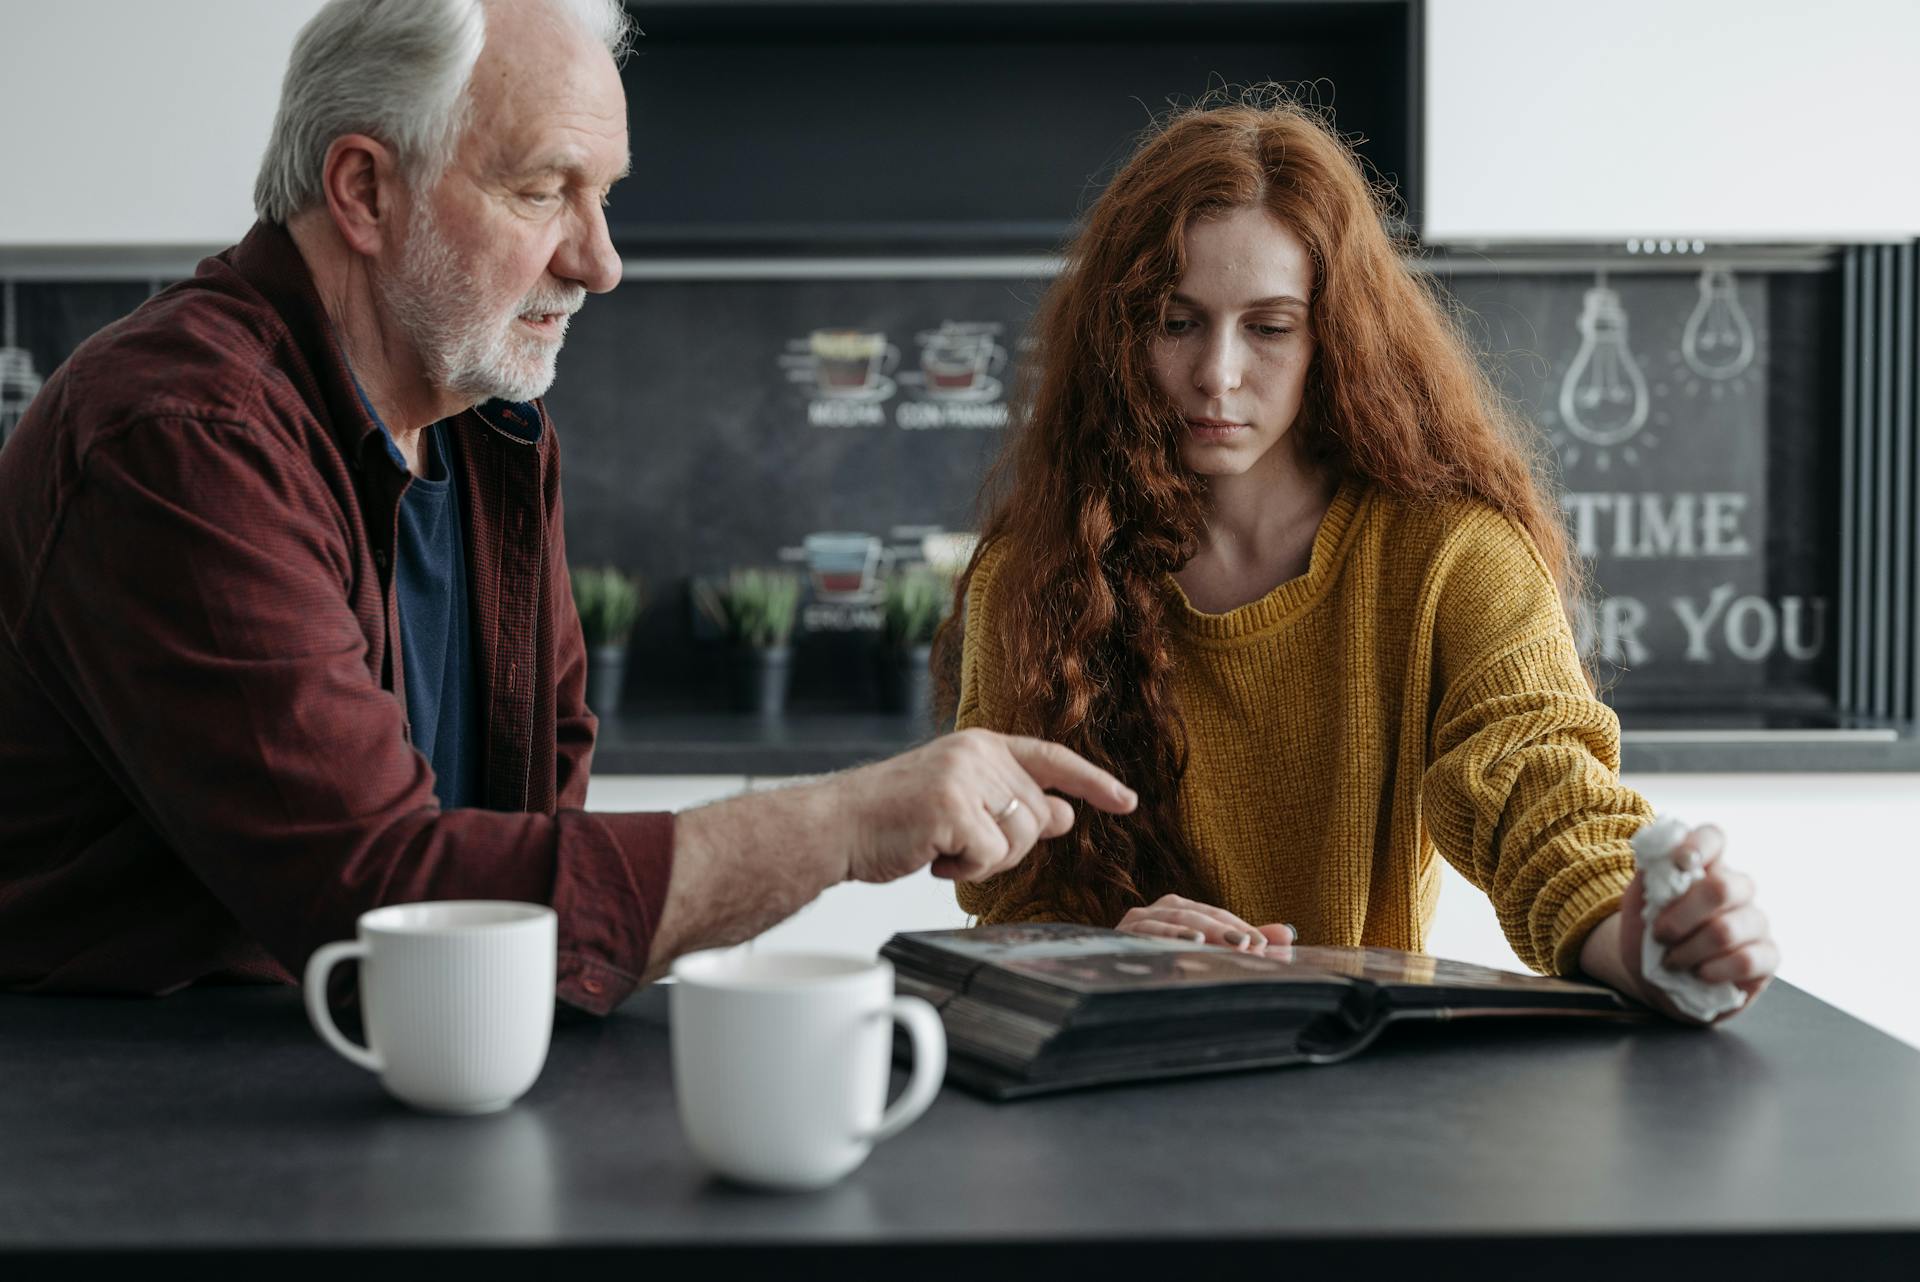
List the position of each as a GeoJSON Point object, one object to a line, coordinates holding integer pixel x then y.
{"type": "Point", "coordinates": [361, 179]}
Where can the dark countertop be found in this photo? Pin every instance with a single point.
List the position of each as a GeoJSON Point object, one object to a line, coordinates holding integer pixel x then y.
{"type": "Point", "coordinates": [213, 1125]}
{"type": "Point", "coordinates": [683, 743]}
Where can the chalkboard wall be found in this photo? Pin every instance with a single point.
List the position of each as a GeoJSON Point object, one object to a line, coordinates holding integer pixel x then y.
{"type": "Point", "coordinates": [702, 430]}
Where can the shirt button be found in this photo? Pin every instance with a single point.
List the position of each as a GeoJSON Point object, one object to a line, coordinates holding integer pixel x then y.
{"type": "Point", "coordinates": [380, 559]}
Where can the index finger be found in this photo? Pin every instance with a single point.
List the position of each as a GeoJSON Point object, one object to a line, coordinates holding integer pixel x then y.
{"type": "Point", "coordinates": [1064, 770]}
{"type": "Point", "coordinates": [1219, 914]}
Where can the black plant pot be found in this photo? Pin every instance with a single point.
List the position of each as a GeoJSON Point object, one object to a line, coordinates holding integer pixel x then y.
{"type": "Point", "coordinates": [759, 679]}
{"type": "Point", "coordinates": [606, 673]}
{"type": "Point", "coordinates": [906, 681]}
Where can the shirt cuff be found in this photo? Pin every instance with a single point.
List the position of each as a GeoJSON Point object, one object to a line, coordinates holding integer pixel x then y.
{"type": "Point", "coordinates": [611, 889]}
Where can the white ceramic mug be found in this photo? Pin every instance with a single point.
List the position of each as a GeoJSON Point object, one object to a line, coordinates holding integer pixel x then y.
{"type": "Point", "coordinates": [456, 997]}
{"type": "Point", "coordinates": [780, 1062]}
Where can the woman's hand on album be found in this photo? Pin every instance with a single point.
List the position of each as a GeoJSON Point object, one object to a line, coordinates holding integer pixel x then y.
{"type": "Point", "coordinates": [1713, 930]}
{"type": "Point", "coordinates": [1176, 917]}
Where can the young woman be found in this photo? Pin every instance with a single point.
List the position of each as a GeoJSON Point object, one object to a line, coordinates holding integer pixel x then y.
{"type": "Point", "coordinates": [1268, 547]}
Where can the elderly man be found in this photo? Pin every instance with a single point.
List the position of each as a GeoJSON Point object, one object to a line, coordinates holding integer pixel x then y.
{"type": "Point", "coordinates": [287, 628]}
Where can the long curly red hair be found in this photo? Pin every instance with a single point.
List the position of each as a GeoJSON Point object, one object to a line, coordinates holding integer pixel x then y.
{"type": "Point", "coordinates": [1089, 507]}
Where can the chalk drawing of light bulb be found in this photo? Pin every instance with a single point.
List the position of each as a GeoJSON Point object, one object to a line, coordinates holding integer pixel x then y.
{"type": "Point", "coordinates": [1603, 398]}
{"type": "Point", "coordinates": [1718, 341]}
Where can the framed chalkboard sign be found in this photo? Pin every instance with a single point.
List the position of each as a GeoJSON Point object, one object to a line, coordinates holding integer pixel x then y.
{"type": "Point", "coordinates": [1692, 415]}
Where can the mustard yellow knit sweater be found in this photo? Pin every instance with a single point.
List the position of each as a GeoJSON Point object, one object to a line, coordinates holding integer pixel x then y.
{"type": "Point", "coordinates": [1416, 689]}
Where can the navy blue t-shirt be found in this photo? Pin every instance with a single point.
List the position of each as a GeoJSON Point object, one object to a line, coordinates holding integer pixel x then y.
{"type": "Point", "coordinates": [436, 626]}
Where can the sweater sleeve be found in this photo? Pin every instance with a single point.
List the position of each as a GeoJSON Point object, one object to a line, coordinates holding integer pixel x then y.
{"type": "Point", "coordinates": [983, 704]}
{"type": "Point", "coordinates": [1522, 791]}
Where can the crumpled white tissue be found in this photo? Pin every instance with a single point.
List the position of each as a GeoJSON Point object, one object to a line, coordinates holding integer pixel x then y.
{"type": "Point", "coordinates": [1663, 881]}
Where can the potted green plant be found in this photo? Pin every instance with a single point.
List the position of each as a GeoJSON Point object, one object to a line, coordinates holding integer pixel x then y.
{"type": "Point", "coordinates": [755, 612]}
{"type": "Point", "coordinates": [915, 603]}
{"type": "Point", "coordinates": [608, 602]}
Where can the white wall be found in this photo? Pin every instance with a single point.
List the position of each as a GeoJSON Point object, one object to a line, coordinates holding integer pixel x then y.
{"type": "Point", "coordinates": [137, 121]}
{"type": "Point", "coordinates": [1837, 859]}
{"type": "Point", "coordinates": [1727, 120]}
{"type": "Point", "coordinates": [142, 121]}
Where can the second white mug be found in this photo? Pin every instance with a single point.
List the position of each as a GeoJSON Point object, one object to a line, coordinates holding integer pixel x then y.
{"type": "Point", "coordinates": [781, 1062]}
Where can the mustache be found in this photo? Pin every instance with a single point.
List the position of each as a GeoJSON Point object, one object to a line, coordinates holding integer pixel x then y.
{"type": "Point", "coordinates": [564, 302]}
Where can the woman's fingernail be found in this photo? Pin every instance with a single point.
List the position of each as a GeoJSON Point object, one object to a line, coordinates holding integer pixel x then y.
{"type": "Point", "coordinates": [1235, 938]}
{"type": "Point", "coordinates": [1293, 933]}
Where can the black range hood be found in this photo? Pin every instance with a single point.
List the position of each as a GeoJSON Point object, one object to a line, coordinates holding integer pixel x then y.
{"type": "Point", "coordinates": [901, 128]}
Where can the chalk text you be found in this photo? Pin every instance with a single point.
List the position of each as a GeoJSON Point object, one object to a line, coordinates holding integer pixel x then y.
{"type": "Point", "coordinates": [1722, 624]}
{"type": "Point", "coordinates": [1716, 624]}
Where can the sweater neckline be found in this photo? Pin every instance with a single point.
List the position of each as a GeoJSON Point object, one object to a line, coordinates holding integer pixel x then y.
{"type": "Point", "coordinates": [1288, 598]}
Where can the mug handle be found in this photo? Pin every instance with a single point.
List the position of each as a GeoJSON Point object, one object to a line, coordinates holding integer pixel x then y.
{"type": "Point", "coordinates": [324, 959]}
{"type": "Point", "coordinates": [929, 1038]}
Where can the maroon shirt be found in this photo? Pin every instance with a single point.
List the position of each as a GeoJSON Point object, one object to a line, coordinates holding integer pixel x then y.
{"type": "Point", "coordinates": [204, 760]}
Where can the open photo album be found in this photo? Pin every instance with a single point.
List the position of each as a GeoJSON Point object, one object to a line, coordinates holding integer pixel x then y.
{"type": "Point", "coordinates": [1049, 1006]}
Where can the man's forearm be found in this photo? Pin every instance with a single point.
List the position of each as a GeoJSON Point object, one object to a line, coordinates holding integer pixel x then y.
{"type": "Point", "coordinates": [741, 865]}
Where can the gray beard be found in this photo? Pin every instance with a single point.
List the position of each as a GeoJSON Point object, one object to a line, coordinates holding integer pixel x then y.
{"type": "Point", "coordinates": [466, 352]}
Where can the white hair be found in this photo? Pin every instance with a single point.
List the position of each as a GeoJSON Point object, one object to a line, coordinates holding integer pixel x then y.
{"type": "Point", "coordinates": [396, 70]}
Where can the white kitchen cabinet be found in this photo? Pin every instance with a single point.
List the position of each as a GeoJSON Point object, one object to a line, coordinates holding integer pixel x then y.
{"type": "Point", "coordinates": [858, 917]}
{"type": "Point", "coordinates": [850, 918]}
{"type": "Point", "coordinates": [138, 122]}
{"type": "Point", "coordinates": [1836, 858]}
{"type": "Point", "coordinates": [1723, 120]}
{"type": "Point", "coordinates": [660, 792]}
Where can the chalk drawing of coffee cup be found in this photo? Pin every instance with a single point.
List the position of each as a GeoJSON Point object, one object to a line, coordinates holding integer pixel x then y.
{"type": "Point", "coordinates": [842, 565]}
{"type": "Point", "coordinates": [851, 362]}
{"type": "Point", "coordinates": [959, 358]}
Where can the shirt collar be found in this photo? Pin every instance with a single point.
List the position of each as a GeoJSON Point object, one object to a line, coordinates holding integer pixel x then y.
{"type": "Point", "coordinates": [518, 419]}
{"type": "Point", "coordinates": [386, 436]}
